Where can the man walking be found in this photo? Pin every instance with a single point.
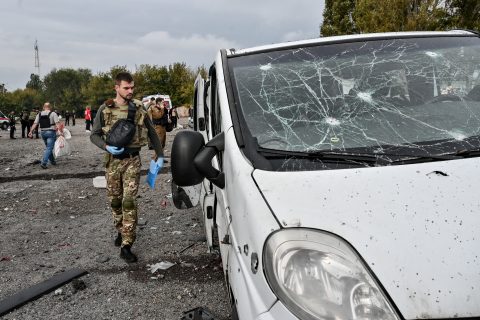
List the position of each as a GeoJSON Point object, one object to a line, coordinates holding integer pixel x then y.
{"type": "Point", "coordinates": [24, 122]}
{"type": "Point", "coordinates": [49, 124]}
{"type": "Point", "coordinates": [123, 163]}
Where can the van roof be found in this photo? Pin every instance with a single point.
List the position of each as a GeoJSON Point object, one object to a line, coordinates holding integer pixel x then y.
{"type": "Point", "coordinates": [348, 38]}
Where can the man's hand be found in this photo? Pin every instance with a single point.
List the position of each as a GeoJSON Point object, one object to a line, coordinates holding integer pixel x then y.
{"type": "Point", "coordinates": [159, 163]}
{"type": "Point", "coordinates": [114, 150]}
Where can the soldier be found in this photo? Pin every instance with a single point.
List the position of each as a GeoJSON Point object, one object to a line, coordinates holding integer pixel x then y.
{"type": "Point", "coordinates": [158, 113]}
{"type": "Point", "coordinates": [24, 122]}
{"type": "Point", "coordinates": [123, 164]}
{"type": "Point", "coordinates": [31, 120]}
{"type": "Point", "coordinates": [11, 117]}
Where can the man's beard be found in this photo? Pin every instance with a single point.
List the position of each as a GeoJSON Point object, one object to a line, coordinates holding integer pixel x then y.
{"type": "Point", "coordinates": [128, 97]}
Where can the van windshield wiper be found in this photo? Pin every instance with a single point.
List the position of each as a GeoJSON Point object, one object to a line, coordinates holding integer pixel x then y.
{"type": "Point", "coordinates": [350, 157]}
{"type": "Point", "coordinates": [467, 153]}
{"type": "Point", "coordinates": [394, 158]}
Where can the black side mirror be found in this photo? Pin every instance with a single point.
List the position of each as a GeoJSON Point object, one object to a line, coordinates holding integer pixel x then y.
{"type": "Point", "coordinates": [192, 159]}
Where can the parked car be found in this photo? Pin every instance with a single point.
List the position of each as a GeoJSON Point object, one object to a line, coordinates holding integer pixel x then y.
{"type": "Point", "coordinates": [340, 176]}
{"type": "Point", "coordinates": [4, 121]}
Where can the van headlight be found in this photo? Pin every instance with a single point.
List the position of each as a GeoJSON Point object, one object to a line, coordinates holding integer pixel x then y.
{"type": "Point", "coordinates": [317, 275]}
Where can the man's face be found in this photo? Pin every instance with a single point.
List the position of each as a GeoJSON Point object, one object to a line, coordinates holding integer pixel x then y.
{"type": "Point", "coordinates": [125, 89]}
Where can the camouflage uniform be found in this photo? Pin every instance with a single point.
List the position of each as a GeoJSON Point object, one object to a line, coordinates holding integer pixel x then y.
{"type": "Point", "coordinates": [123, 177]}
{"type": "Point", "coordinates": [159, 118]}
{"type": "Point", "coordinates": [123, 171]}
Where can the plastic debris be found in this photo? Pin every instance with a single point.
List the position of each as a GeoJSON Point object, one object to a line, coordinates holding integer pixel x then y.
{"type": "Point", "coordinates": [163, 265]}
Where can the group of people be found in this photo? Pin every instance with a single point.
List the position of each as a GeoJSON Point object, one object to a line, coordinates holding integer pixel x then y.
{"type": "Point", "coordinates": [122, 162]}
{"type": "Point", "coordinates": [27, 119]}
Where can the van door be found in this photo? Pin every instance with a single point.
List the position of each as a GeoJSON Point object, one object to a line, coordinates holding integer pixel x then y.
{"type": "Point", "coordinates": [221, 211]}
{"type": "Point", "coordinates": [200, 121]}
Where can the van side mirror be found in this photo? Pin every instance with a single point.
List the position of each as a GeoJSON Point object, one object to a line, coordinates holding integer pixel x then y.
{"type": "Point", "coordinates": [192, 159]}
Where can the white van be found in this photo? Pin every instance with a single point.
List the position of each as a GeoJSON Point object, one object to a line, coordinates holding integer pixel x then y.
{"type": "Point", "coordinates": [165, 97]}
{"type": "Point", "coordinates": [341, 176]}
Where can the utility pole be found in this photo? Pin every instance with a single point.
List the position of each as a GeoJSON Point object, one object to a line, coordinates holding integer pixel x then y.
{"type": "Point", "coordinates": [37, 59]}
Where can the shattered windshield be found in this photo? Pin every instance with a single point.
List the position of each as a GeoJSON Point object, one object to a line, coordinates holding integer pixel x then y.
{"type": "Point", "coordinates": [374, 97]}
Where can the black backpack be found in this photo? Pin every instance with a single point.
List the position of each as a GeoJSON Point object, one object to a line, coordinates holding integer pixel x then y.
{"type": "Point", "coordinates": [123, 131]}
{"type": "Point", "coordinates": [44, 121]}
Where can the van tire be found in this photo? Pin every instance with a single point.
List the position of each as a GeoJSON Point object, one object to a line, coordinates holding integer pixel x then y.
{"type": "Point", "coordinates": [4, 126]}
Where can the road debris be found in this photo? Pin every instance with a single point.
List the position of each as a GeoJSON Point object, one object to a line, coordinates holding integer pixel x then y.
{"type": "Point", "coordinates": [163, 265]}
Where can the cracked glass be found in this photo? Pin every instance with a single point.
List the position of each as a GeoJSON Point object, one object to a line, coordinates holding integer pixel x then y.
{"type": "Point", "coordinates": [392, 98]}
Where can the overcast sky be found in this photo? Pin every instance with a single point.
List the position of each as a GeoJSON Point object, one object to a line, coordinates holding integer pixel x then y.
{"type": "Point", "coordinates": [98, 34]}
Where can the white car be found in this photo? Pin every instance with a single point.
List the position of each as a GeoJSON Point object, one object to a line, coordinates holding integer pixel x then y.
{"type": "Point", "coordinates": [4, 121]}
{"type": "Point", "coordinates": [341, 176]}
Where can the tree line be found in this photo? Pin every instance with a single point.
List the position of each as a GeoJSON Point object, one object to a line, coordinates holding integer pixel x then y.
{"type": "Point", "coordinates": [365, 16]}
{"type": "Point", "coordinates": [73, 89]}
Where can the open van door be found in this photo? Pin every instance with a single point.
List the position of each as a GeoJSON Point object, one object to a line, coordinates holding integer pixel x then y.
{"type": "Point", "coordinates": [199, 106]}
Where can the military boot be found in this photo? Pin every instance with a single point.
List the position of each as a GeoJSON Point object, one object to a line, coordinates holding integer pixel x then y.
{"type": "Point", "coordinates": [127, 255]}
{"type": "Point", "coordinates": [118, 240]}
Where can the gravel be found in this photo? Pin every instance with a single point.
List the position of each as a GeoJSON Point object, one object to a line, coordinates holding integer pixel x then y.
{"type": "Point", "coordinates": [54, 220]}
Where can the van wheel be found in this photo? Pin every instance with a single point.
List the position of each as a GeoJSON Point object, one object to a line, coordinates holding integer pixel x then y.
{"type": "Point", "coordinates": [4, 126]}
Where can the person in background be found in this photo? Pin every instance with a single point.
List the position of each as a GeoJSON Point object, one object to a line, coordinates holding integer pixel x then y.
{"type": "Point", "coordinates": [24, 122]}
{"type": "Point", "coordinates": [11, 117]}
{"type": "Point", "coordinates": [48, 122]}
{"type": "Point", "coordinates": [73, 118]}
{"type": "Point", "coordinates": [88, 118]}
{"type": "Point", "coordinates": [173, 116]}
{"type": "Point", "coordinates": [31, 120]}
{"type": "Point", "coordinates": [67, 118]}
{"type": "Point", "coordinates": [158, 113]}
{"type": "Point", "coordinates": [123, 164]}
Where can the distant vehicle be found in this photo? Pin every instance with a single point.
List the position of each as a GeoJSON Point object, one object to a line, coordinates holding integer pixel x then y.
{"type": "Point", "coordinates": [166, 97]}
{"type": "Point", "coordinates": [337, 176]}
{"type": "Point", "coordinates": [4, 121]}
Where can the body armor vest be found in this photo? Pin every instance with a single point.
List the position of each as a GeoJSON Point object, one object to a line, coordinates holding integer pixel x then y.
{"type": "Point", "coordinates": [113, 114]}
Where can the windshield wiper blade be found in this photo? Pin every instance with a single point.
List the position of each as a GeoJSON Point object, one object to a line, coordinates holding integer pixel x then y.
{"type": "Point", "coordinates": [416, 158]}
{"type": "Point", "coordinates": [350, 157]}
{"type": "Point", "coordinates": [467, 153]}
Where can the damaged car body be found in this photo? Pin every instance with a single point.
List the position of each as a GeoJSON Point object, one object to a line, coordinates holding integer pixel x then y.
{"type": "Point", "coordinates": [337, 176]}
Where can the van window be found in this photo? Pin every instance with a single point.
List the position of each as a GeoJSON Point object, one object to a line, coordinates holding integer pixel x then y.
{"type": "Point", "coordinates": [392, 97]}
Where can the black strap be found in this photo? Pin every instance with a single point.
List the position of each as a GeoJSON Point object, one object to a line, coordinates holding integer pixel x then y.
{"type": "Point", "coordinates": [132, 109]}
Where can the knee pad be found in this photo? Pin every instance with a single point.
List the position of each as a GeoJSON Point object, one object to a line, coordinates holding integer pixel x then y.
{"type": "Point", "coordinates": [129, 204]}
{"type": "Point", "coordinates": [116, 203]}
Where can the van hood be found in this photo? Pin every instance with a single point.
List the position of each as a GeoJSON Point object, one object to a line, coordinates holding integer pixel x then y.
{"type": "Point", "coordinates": [416, 226]}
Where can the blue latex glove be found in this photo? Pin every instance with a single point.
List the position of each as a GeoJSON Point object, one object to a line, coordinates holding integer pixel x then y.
{"type": "Point", "coordinates": [155, 167]}
{"type": "Point", "coordinates": [159, 163]}
{"type": "Point", "coordinates": [114, 150]}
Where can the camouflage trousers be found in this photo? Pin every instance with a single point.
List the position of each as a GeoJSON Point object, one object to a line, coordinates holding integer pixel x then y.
{"type": "Point", "coordinates": [123, 177]}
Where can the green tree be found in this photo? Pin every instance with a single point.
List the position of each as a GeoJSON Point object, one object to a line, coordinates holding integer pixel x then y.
{"type": "Point", "coordinates": [98, 89]}
{"type": "Point", "coordinates": [63, 87]}
{"type": "Point", "coordinates": [337, 18]}
{"type": "Point", "coordinates": [364, 16]}
{"type": "Point", "coordinates": [35, 83]}
{"type": "Point", "coordinates": [464, 14]}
